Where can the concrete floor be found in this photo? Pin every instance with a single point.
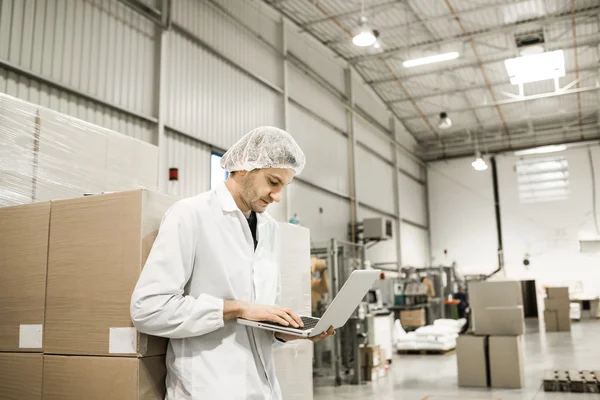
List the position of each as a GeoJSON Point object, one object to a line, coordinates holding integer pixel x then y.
{"type": "Point", "coordinates": [434, 377]}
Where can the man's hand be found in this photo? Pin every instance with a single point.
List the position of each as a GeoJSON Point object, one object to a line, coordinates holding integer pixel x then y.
{"type": "Point", "coordinates": [323, 336]}
{"type": "Point", "coordinates": [288, 338]}
{"type": "Point", "coordinates": [280, 315]}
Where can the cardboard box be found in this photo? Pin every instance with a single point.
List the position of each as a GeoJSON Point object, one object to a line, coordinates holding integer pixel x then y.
{"type": "Point", "coordinates": [551, 320]}
{"type": "Point", "coordinates": [371, 373]}
{"type": "Point", "coordinates": [294, 360]}
{"type": "Point", "coordinates": [499, 321]}
{"type": "Point", "coordinates": [564, 320]}
{"type": "Point", "coordinates": [294, 369]}
{"type": "Point", "coordinates": [558, 293]}
{"type": "Point", "coordinates": [557, 304]}
{"type": "Point", "coordinates": [98, 246]}
{"type": "Point", "coordinates": [506, 362]}
{"type": "Point", "coordinates": [17, 130]}
{"type": "Point", "coordinates": [21, 376]}
{"type": "Point", "coordinates": [495, 294]}
{"type": "Point", "coordinates": [412, 318]}
{"type": "Point", "coordinates": [557, 320]}
{"type": "Point", "coordinates": [370, 356]}
{"type": "Point", "coordinates": [101, 378]}
{"type": "Point", "coordinates": [24, 254]}
{"type": "Point", "coordinates": [471, 358]}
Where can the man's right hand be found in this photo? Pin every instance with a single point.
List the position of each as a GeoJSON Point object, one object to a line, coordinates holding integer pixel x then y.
{"type": "Point", "coordinates": [260, 312]}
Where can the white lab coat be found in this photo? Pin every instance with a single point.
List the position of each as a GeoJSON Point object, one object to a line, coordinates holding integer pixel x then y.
{"type": "Point", "coordinates": [204, 253]}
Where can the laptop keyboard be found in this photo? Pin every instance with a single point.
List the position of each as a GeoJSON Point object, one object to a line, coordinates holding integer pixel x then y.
{"type": "Point", "coordinates": [309, 323]}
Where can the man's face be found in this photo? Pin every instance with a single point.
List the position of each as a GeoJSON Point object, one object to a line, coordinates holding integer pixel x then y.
{"type": "Point", "coordinates": [261, 187]}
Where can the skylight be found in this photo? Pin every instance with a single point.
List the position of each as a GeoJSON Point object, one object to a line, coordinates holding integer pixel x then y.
{"type": "Point", "coordinates": [536, 67]}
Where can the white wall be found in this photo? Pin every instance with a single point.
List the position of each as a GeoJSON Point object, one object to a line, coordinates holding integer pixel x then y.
{"type": "Point", "coordinates": [463, 220]}
{"type": "Point", "coordinates": [461, 202]}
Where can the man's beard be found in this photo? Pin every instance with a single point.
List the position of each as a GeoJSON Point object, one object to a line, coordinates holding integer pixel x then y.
{"type": "Point", "coordinates": [250, 195]}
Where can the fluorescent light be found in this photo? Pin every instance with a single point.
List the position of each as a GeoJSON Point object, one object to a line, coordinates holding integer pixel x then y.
{"type": "Point", "coordinates": [431, 59]}
{"type": "Point", "coordinates": [541, 150]}
{"type": "Point", "coordinates": [536, 67]}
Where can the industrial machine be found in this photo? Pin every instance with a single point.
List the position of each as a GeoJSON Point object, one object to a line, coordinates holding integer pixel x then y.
{"type": "Point", "coordinates": [338, 357]}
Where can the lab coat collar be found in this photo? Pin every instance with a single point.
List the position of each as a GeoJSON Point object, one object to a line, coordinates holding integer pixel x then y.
{"type": "Point", "coordinates": [228, 204]}
{"type": "Point", "coordinates": [226, 199]}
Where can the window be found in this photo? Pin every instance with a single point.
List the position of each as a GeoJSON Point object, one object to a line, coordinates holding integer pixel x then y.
{"type": "Point", "coordinates": [543, 179]}
{"type": "Point", "coordinates": [217, 174]}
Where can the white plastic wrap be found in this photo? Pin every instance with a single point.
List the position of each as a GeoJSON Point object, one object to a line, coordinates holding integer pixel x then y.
{"type": "Point", "coordinates": [46, 155]}
{"type": "Point", "coordinates": [293, 361]}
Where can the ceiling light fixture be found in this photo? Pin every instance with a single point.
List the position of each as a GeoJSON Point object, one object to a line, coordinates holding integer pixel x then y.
{"type": "Point", "coordinates": [536, 67]}
{"type": "Point", "coordinates": [445, 122]}
{"type": "Point", "coordinates": [479, 163]}
{"type": "Point", "coordinates": [430, 59]}
{"type": "Point", "coordinates": [365, 35]}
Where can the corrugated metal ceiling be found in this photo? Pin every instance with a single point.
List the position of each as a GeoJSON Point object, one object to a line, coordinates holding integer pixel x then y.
{"type": "Point", "coordinates": [416, 28]}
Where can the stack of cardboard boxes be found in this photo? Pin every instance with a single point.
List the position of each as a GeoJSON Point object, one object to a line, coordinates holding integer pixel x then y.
{"type": "Point", "coordinates": [68, 270]}
{"type": "Point", "coordinates": [557, 309]}
{"type": "Point", "coordinates": [493, 355]}
{"type": "Point", "coordinates": [46, 155]}
{"type": "Point", "coordinates": [372, 362]}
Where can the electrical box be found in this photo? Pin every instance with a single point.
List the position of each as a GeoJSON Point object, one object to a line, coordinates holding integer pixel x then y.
{"type": "Point", "coordinates": [378, 229]}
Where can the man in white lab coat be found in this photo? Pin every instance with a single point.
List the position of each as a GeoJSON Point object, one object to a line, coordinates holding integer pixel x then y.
{"type": "Point", "coordinates": [214, 260]}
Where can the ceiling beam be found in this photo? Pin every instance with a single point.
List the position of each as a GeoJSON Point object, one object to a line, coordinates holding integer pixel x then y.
{"type": "Point", "coordinates": [495, 146]}
{"type": "Point", "coordinates": [493, 127]}
{"type": "Point", "coordinates": [469, 88]}
{"type": "Point", "coordinates": [358, 11]}
{"type": "Point", "coordinates": [588, 12]}
{"type": "Point", "coordinates": [509, 101]}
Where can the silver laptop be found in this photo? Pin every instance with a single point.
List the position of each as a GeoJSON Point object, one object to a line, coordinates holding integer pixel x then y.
{"type": "Point", "coordinates": [336, 315]}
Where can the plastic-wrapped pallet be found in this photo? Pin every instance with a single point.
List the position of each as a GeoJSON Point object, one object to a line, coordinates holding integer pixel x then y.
{"type": "Point", "coordinates": [293, 361]}
{"type": "Point", "coordinates": [46, 155]}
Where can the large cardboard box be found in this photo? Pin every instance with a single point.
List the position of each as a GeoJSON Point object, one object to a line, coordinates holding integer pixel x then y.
{"type": "Point", "coordinates": [499, 321]}
{"type": "Point", "coordinates": [413, 318]}
{"type": "Point", "coordinates": [506, 362]}
{"type": "Point", "coordinates": [98, 246]}
{"type": "Point", "coordinates": [370, 355]}
{"type": "Point", "coordinates": [557, 304]}
{"type": "Point", "coordinates": [551, 320]}
{"type": "Point", "coordinates": [372, 373]}
{"type": "Point", "coordinates": [23, 257]}
{"type": "Point", "coordinates": [21, 376]}
{"type": "Point", "coordinates": [564, 320]}
{"type": "Point", "coordinates": [471, 357]}
{"type": "Point", "coordinates": [102, 378]}
{"type": "Point", "coordinates": [557, 320]}
{"type": "Point", "coordinates": [558, 293]}
{"type": "Point", "coordinates": [495, 294]}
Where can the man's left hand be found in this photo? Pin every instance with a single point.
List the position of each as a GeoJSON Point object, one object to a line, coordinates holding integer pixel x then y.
{"type": "Point", "coordinates": [322, 336]}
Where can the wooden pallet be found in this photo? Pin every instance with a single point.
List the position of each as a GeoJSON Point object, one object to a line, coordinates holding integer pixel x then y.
{"type": "Point", "coordinates": [424, 352]}
{"type": "Point", "coordinates": [572, 381]}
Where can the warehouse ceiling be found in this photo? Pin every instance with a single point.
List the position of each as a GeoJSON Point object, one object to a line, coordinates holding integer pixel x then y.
{"type": "Point", "coordinates": [488, 113]}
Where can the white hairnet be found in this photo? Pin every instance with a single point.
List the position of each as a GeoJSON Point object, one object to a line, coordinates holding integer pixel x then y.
{"type": "Point", "coordinates": [264, 147]}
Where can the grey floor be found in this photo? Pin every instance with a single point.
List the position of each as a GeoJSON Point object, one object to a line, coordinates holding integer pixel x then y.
{"type": "Point", "coordinates": [433, 377]}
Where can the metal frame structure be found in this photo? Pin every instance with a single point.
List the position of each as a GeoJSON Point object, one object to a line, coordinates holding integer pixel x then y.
{"type": "Point", "coordinates": [342, 258]}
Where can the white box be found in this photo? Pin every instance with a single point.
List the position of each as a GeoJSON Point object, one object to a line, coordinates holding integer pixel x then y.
{"type": "Point", "coordinates": [293, 361]}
